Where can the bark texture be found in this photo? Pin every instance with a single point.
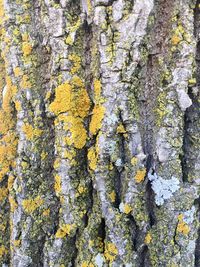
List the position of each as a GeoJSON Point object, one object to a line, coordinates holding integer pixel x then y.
{"type": "Point", "coordinates": [99, 133]}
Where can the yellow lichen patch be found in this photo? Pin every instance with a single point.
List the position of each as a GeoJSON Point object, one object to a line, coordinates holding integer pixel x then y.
{"type": "Point", "coordinates": [182, 227]}
{"type": "Point", "coordinates": [176, 39]}
{"type": "Point", "coordinates": [71, 29]}
{"type": "Point", "coordinates": [78, 134]}
{"type": "Point", "coordinates": [87, 264]}
{"type": "Point", "coordinates": [192, 81]}
{"type": "Point", "coordinates": [8, 145]}
{"type": "Point", "coordinates": [76, 82]}
{"type": "Point", "coordinates": [70, 99]}
{"type": "Point", "coordinates": [46, 212]}
{"type": "Point", "coordinates": [134, 161]}
{"type": "Point", "coordinates": [97, 91]}
{"type": "Point", "coordinates": [17, 242]}
{"type": "Point", "coordinates": [11, 179]}
{"type": "Point", "coordinates": [89, 6]}
{"type": "Point", "coordinates": [81, 189]}
{"type": "Point", "coordinates": [111, 252]}
{"type": "Point", "coordinates": [30, 205]}
{"type": "Point", "coordinates": [26, 48]}
{"type": "Point", "coordinates": [148, 239]}
{"type": "Point", "coordinates": [25, 82]}
{"type": "Point", "coordinates": [17, 72]}
{"type": "Point", "coordinates": [97, 117]}
{"type": "Point", "coordinates": [13, 203]}
{"type": "Point", "coordinates": [57, 185]}
{"type": "Point", "coordinates": [161, 110]}
{"type": "Point", "coordinates": [56, 164]}
{"type": "Point", "coordinates": [3, 251]}
{"type": "Point", "coordinates": [18, 106]}
{"type": "Point", "coordinates": [30, 132]}
{"type": "Point", "coordinates": [76, 61]}
{"type": "Point", "coordinates": [127, 208]}
{"type": "Point", "coordinates": [69, 154]}
{"type": "Point", "coordinates": [62, 99]}
{"type": "Point", "coordinates": [92, 158]}
{"type": "Point", "coordinates": [121, 129]}
{"type": "Point", "coordinates": [69, 40]}
{"type": "Point", "coordinates": [3, 193]}
{"type": "Point", "coordinates": [64, 230]}
{"type": "Point", "coordinates": [43, 155]}
{"type": "Point", "coordinates": [112, 196]}
{"type": "Point", "coordinates": [140, 175]}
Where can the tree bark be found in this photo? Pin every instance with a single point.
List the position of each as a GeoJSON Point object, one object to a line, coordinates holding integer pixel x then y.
{"type": "Point", "coordinates": [99, 133]}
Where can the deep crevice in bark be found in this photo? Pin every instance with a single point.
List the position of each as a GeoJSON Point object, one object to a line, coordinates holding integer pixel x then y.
{"type": "Point", "coordinates": [144, 258]}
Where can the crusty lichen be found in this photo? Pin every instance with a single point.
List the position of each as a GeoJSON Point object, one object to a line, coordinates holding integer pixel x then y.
{"type": "Point", "coordinates": [111, 252]}
{"type": "Point", "coordinates": [148, 239]}
{"type": "Point", "coordinates": [31, 132]}
{"type": "Point", "coordinates": [30, 205]}
{"type": "Point", "coordinates": [72, 98]}
{"type": "Point", "coordinates": [182, 226]}
{"type": "Point", "coordinates": [64, 230]}
{"type": "Point", "coordinates": [140, 175]}
{"type": "Point", "coordinates": [98, 110]}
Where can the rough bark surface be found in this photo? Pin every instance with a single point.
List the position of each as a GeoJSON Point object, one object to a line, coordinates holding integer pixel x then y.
{"type": "Point", "coordinates": [99, 133]}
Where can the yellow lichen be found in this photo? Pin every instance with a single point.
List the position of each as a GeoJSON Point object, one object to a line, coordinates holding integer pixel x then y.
{"type": "Point", "coordinates": [87, 264]}
{"type": "Point", "coordinates": [140, 175]}
{"type": "Point", "coordinates": [121, 129]}
{"type": "Point", "coordinates": [92, 158]}
{"type": "Point", "coordinates": [18, 106]}
{"type": "Point", "coordinates": [134, 161]}
{"type": "Point", "coordinates": [16, 242]}
{"type": "Point", "coordinates": [72, 29]}
{"type": "Point", "coordinates": [26, 48]}
{"type": "Point", "coordinates": [13, 204]}
{"type": "Point", "coordinates": [46, 212]}
{"type": "Point", "coordinates": [30, 205]}
{"type": "Point", "coordinates": [111, 252]}
{"type": "Point", "coordinates": [30, 132]}
{"type": "Point", "coordinates": [56, 164]}
{"type": "Point", "coordinates": [182, 226]}
{"type": "Point", "coordinates": [76, 61]}
{"type": "Point", "coordinates": [17, 72]}
{"type": "Point", "coordinates": [192, 81]}
{"type": "Point", "coordinates": [69, 40]}
{"type": "Point", "coordinates": [3, 251]}
{"type": "Point", "coordinates": [127, 208]}
{"type": "Point", "coordinates": [78, 132]}
{"type": "Point", "coordinates": [57, 185]}
{"type": "Point", "coordinates": [176, 39]}
{"type": "Point", "coordinates": [73, 99]}
{"type": "Point", "coordinates": [11, 180]}
{"type": "Point", "coordinates": [3, 193]}
{"type": "Point", "coordinates": [97, 91]}
{"type": "Point", "coordinates": [25, 82]}
{"type": "Point", "coordinates": [97, 117]}
{"type": "Point", "coordinates": [81, 189]}
{"type": "Point", "coordinates": [148, 239]}
{"type": "Point", "coordinates": [62, 99]}
{"type": "Point", "coordinates": [64, 230]}
{"type": "Point", "coordinates": [112, 196]}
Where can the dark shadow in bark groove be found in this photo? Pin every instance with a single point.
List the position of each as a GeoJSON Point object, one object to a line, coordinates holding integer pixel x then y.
{"type": "Point", "coordinates": [194, 100]}
{"type": "Point", "coordinates": [197, 248]}
{"type": "Point", "coordinates": [102, 232]}
{"type": "Point", "coordinates": [144, 259]}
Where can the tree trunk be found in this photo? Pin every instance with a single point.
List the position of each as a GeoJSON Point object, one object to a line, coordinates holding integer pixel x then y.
{"type": "Point", "coordinates": [99, 133]}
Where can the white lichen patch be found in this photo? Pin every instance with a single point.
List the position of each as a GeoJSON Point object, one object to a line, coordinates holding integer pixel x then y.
{"type": "Point", "coordinates": [99, 260]}
{"type": "Point", "coordinates": [162, 188]}
{"type": "Point", "coordinates": [189, 215]}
